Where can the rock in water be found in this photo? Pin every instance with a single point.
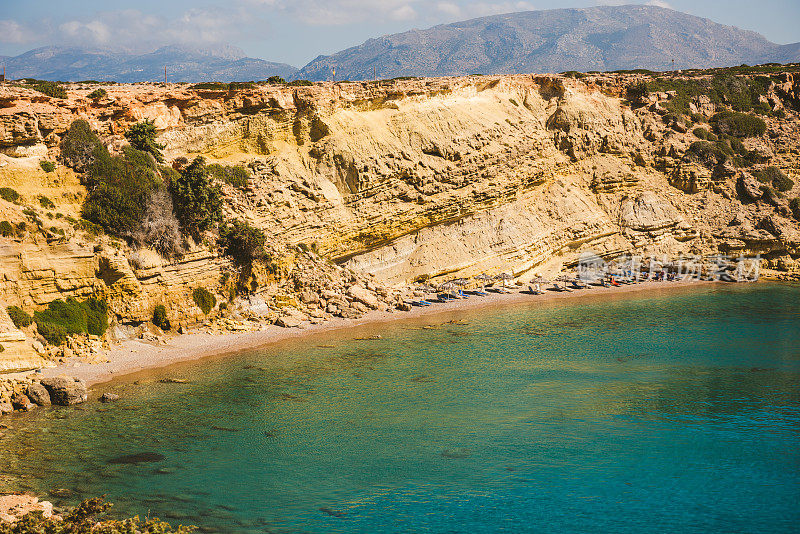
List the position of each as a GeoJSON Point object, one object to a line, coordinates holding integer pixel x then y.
{"type": "Point", "coordinates": [38, 394]}
{"type": "Point", "coordinates": [21, 402]}
{"type": "Point", "coordinates": [65, 391]}
{"type": "Point", "coordinates": [138, 458]}
{"type": "Point", "coordinates": [109, 397]}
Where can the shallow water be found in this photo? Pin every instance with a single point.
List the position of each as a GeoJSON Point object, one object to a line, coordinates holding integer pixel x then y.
{"type": "Point", "coordinates": [641, 414]}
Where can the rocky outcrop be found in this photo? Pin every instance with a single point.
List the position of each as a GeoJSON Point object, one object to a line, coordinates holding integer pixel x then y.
{"type": "Point", "coordinates": [65, 391]}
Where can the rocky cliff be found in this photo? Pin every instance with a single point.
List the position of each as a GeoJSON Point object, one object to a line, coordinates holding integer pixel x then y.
{"type": "Point", "coordinates": [364, 187]}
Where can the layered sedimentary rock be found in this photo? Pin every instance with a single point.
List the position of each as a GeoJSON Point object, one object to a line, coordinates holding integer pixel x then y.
{"type": "Point", "coordinates": [402, 179]}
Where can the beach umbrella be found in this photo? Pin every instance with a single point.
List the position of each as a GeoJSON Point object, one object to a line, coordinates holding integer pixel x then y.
{"type": "Point", "coordinates": [483, 277]}
{"type": "Point", "coordinates": [504, 277]}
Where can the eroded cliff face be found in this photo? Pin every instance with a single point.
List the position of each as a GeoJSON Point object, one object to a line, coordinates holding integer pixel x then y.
{"type": "Point", "coordinates": [402, 179]}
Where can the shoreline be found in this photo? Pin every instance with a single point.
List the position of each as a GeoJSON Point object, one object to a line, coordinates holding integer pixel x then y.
{"type": "Point", "coordinates": [135, 356]}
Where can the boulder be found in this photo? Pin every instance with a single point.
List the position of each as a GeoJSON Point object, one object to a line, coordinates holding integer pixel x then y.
{"type": "Point", "coordinates": [5, 407]}
{"type": "Point", "coordinates": [20, 401]}
{"type": "Point", "coordinates": [65, 391]}
{"type": "Point", "coordinates": [288, 321]}
{"type": "Point", "coordinates": [364, 296]}
{"type": "Point", "coordinates": [38, 394]}
{"type": "Point", "coordinates": [309, 297]}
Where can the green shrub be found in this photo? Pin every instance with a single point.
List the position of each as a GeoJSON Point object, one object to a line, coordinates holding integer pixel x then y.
{"type": "Point", "coordinates": [8, 194]}
{"type": "Point", "coordinates": [702, 133]}
{"type": "Point", "coordinates": [738, 124]}
{"type": "Point", "coordinates": [62, 318]}
{"type": "Point", "coordinates": [242, 242]}
{"type": "Point", "coordinates": [119, 189]}
{"type": "Point", "coordinates": [52, 333]}
{"type": "Point", "coordinates": [80, 147]}
{"type": "Point", "coordinates": [708, 154]}
{"type": "Point", "coordinates": [97, 94]}
{"type": "Point", "coordinates": [160, 317]}
{"type": "Point", "coordinates": [236, 176]}
{"type": "Point", "coordinates": [204, 299]}
{"type": "Point", "coordinates": [6, 229]}
{"type": "Point", "coordinates": [54, 89]}
{"type": "Point", "coordinates": [47, 166]}
{"type": "Point", "coordinates": [19, 317]}
{"type": "Point", "coordinates": [276, 80]}
{"type": "Point", "coordinates": [46, 202]}
{"type": "Point", "coordinates": [198, 203]}
{"type": "Point", "coordinates": [142, 136]}
{"type": "Point", "coordinates": [300, 83]}
{"type": "Point", "coordinates": [773, 175]}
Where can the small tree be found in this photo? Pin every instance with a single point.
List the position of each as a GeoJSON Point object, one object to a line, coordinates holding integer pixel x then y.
{"type": "Point", "coordinates": [242, 241]}
{"type": "Point", "coordinates": [142, 136]}
{"type": "Point", "coordinates": [198, 202]}
{"type": "Point", "coordinates": [276, 80]}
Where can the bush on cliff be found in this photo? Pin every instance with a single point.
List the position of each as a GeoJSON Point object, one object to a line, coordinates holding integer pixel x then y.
{"type": "Point", "coordinates": [19, 317]}
{"type": "Point", "coordinates": [198, 202]}
{"type": "Point", "coordinates": [142, 136]}
{"type": "Point", "coordinates": [54, 89]}
{"type": "Point", "coordinates": [62, 318]}
{"type": "Point", "coordinates": [773, 175]}
{"type": "Point", "coordinates": [119, 189]}
{"type": "Point", "coordinates": [97, 94]}
{"type": "Point", "coordinates": [242, 242]}
{"type": "Point", "coordinates": [8, 194]}
{"type": "Point", "coordinates": [237, 176]}
{"type": "Point", "coordinates": [6, 229]}
{"type": "Point", "coordinates": [738, 124]}
{"type": "Point", "coordinates": [89, 517]}
{"type": "Point", "coordinates": [160, 317]}
{"type": "Point", "coordinates": [47, 166]}
{"type": "Point", "coordinates": [80, 146]}
{"type": "Point", "coordinates": [204, 299]}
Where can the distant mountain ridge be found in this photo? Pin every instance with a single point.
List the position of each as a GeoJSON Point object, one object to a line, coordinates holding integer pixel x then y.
{"type": "Point", "coordinates": [184, 64]}
{"type": "Point", "coordinates": [600, 38]}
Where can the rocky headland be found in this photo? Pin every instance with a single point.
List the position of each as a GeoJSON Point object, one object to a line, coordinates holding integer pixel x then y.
{"type": "Point", "coordinates": [362, 188]}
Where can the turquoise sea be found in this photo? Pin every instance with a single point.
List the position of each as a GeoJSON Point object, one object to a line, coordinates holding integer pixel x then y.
{"type": "Point", "coordinates": [662, 412]}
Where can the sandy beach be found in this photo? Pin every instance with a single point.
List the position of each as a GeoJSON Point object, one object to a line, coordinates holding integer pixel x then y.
{"type": "Point", "coordinates": [134, 355]}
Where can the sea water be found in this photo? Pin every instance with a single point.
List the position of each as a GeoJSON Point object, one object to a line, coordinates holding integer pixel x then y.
{"type": "Point", "coordinates": [673, 412]}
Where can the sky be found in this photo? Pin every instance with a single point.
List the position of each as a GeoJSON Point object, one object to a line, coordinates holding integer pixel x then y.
{"type": "Point", "coordinates": [296, 31]}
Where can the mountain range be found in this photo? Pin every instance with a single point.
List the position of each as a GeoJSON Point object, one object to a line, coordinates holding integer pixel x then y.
{"type": "Point", "coordinates": [591, 39]}
{"type": "Point", "coordinates": [184, 64]}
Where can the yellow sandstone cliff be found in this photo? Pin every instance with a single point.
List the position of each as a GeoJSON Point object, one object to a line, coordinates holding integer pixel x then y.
{"type": "Point", "coordinates": [398, 179]}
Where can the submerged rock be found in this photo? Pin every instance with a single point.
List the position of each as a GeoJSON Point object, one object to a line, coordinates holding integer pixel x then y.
{"type": "Point", "coordinates": [456, 453]}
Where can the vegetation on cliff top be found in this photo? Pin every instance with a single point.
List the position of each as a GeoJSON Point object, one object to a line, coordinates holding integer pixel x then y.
{"type": "Point", "coordinates": [89, 517]}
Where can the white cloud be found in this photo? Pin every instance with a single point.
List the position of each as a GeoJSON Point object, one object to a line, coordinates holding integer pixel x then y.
{"type": "Point", "coordinates": [659, 3]}
{"type": "Point", "coordinates": [13, 32]}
